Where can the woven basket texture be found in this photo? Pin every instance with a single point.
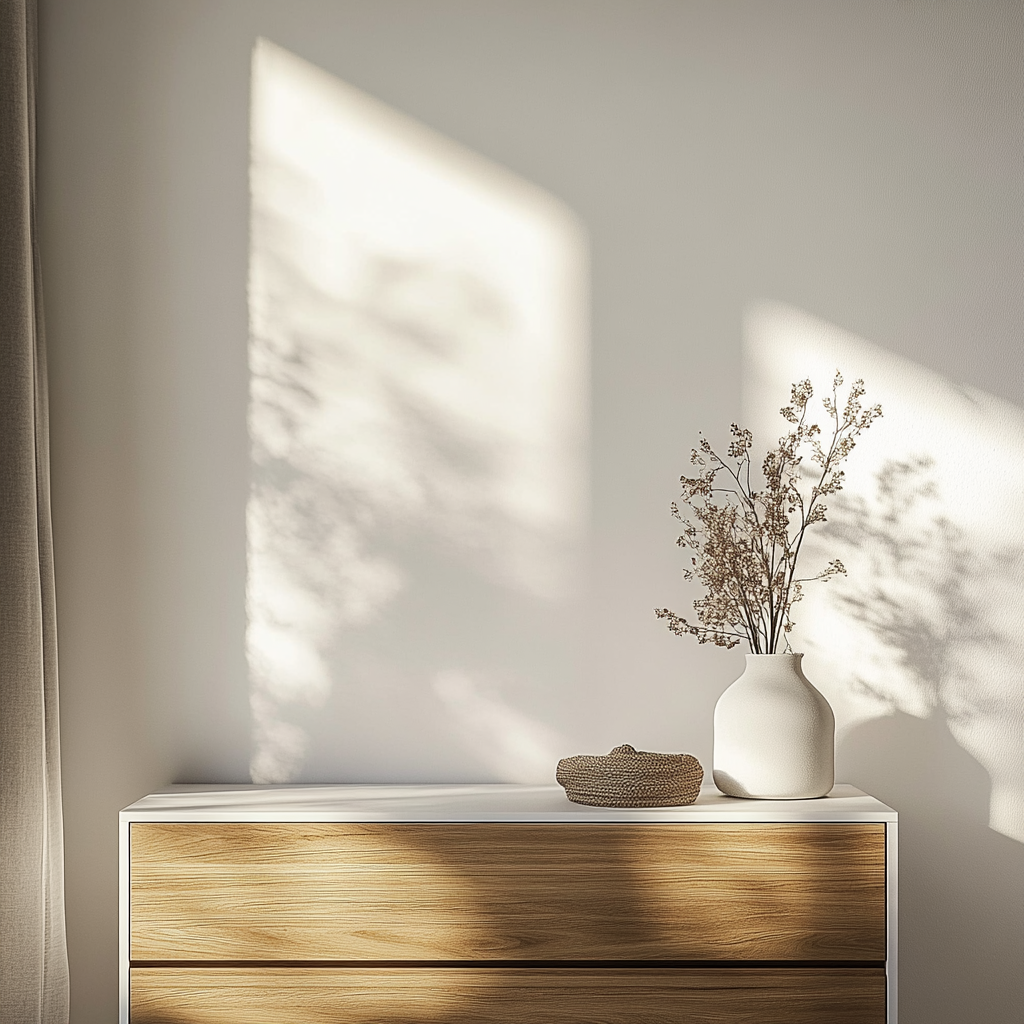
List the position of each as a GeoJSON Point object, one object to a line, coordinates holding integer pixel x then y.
{"type": "Point", "coordinates": [631, 778]}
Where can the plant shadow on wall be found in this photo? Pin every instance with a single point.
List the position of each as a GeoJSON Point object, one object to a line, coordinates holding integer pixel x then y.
{"type": "Point", "coordinates": [918, 600]}
{"type": "Point", "coordinates": [920, 650]}
{"type": "Point", "coordinates": [416, 419]}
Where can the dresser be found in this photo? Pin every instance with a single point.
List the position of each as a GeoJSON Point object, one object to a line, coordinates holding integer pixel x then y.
{"type": "Point", "coordinates": [503, 903]}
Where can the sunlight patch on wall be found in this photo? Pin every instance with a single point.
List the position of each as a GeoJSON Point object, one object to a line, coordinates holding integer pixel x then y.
{"type": "Point", "coordinates": [930, 620]}
{"type": "Point", "coordinates": [417, 412]}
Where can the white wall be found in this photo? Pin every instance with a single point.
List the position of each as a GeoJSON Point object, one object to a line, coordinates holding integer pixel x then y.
{"type": "Point", "coordinates": [856, 162]}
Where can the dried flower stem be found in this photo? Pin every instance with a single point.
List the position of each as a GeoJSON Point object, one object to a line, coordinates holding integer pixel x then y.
{"type": "Point", "coordinates": [745, 541]}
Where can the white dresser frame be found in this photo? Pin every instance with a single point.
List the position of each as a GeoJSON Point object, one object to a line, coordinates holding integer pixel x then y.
{"type": "Point", "coordinates": [495, 803]}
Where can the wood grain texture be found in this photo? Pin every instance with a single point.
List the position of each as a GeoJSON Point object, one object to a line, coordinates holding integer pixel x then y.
{"type": "Point", "coordinates": [489, 996]}
{"type": "Point", "coordinates": [507, 891]}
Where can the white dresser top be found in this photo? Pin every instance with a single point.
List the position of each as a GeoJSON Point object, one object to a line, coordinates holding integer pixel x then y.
{"type": "Point", "coordinates": [464, 803]}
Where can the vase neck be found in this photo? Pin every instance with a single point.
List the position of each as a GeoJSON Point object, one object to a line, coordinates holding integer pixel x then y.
{"type": "Point", "coordinates": [774, 666]}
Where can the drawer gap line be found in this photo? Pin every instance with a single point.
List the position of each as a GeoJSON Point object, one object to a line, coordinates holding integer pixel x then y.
{"type": "Point", "coordinates": [522, 964]}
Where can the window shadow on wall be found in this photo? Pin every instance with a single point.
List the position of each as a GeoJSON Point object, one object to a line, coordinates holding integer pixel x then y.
{"type": "Point", "coordinates": [417, 424]}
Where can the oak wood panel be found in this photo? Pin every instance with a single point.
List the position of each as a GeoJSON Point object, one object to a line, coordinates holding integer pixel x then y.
{"type": "Point", "coordinates": [507, 891]}
{"type": "Point", "coordinates": [489, 996]}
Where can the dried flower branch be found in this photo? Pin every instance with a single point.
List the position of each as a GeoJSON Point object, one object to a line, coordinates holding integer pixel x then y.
{"type": "Point", "coordinates": [744, 542]}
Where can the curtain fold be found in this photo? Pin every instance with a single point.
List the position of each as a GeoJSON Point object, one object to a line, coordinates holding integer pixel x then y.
{"type": "Point", "coordinates": [33, 951]}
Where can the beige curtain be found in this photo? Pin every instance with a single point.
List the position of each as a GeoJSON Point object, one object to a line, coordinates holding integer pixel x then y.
{"type": "Point", "coordinates": [33, 956]}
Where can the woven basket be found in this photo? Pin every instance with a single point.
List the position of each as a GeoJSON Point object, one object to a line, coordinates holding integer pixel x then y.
{"type": "Point", "coordinates": [631, 778]}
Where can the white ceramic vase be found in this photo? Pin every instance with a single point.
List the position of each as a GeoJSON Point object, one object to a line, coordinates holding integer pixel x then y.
{"type": "Point", "coordinates": [774, 733]}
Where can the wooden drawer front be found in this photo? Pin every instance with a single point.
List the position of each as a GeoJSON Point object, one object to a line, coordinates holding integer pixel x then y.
{"type": "Point", "coordinates": [343, 892]}
{"type": "Point", "coordinates": [302, 995]}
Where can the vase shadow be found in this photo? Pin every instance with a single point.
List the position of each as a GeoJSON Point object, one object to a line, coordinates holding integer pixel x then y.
{"type": "Point", "coordinates": [961, 887]}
